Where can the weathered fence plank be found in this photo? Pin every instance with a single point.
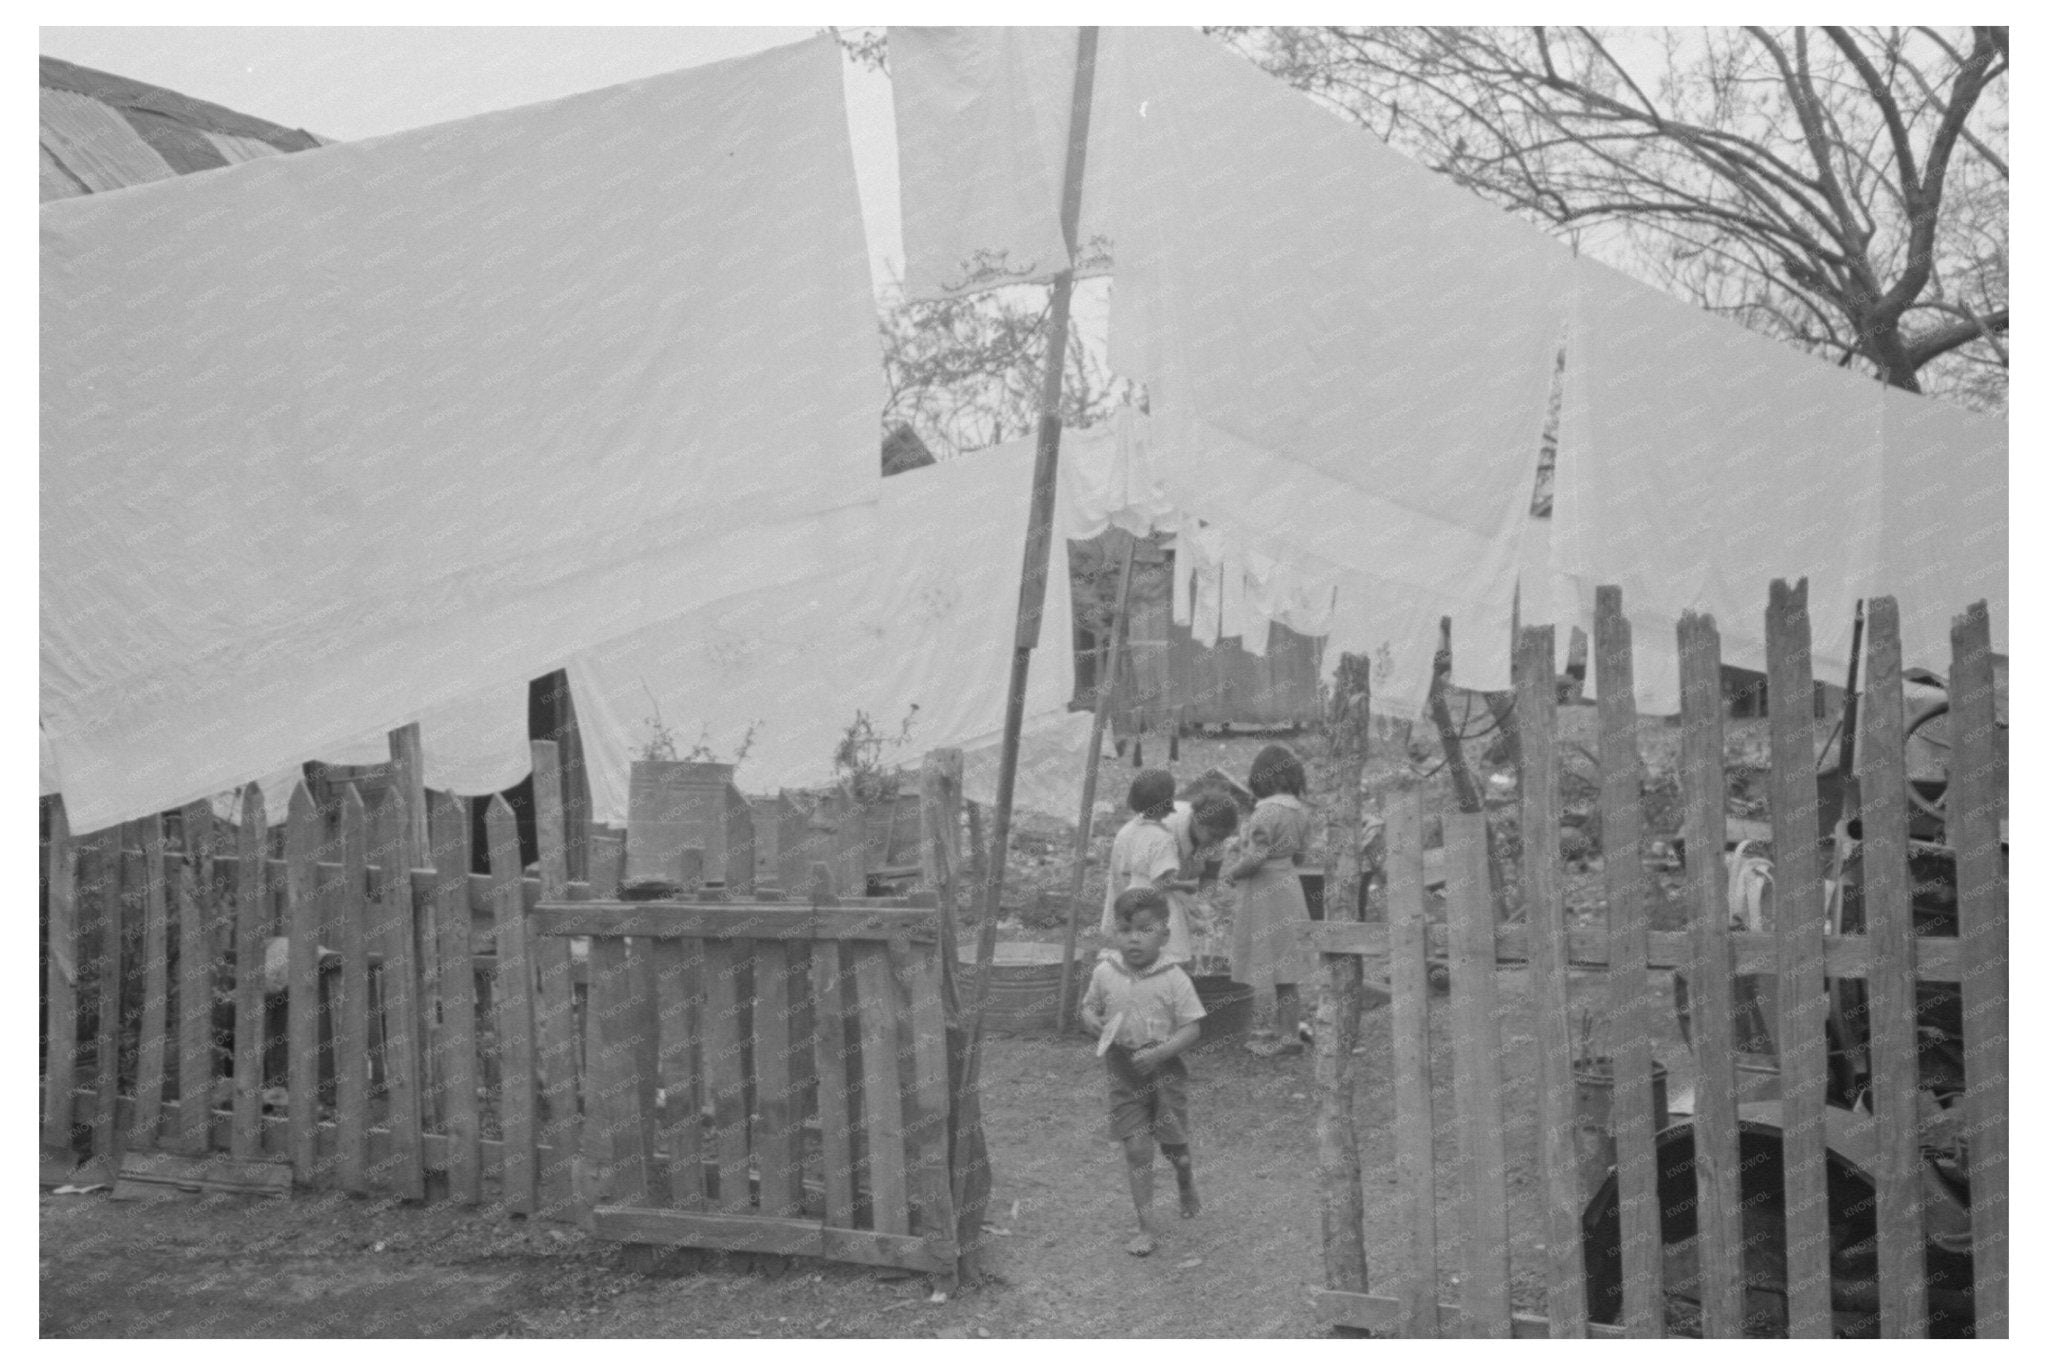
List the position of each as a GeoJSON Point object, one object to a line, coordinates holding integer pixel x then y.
{"type": "Point", "coordinates": [514, 992]}
{"type": "Point", "coordinates": [1800, 912]}
{"type": "Point", "coordinates": [724, 1074]}
{"type": "Point", "coordinates": [156, 989]}
{"type": "Point", "coordinates": [1894, 1027]}
{"type": "Point", "coordinates": [1475, 1020]}
{"type": "Point", "coordinates": [881, 1091]}
{"type": "Point", "coordinates": [781, 1120]}
{"type": "Point", "coordinates": [198, 929]}
{"type": "Point", "coordinates": [60, 1060]}
{"type": "Point", "coordinates": [922, 1020]}
{"type": "Point", "coordinates": [554, 1020]}
{"type": "Point", "coordinates": [620, 1147]}
{"type": "Point", "coordinates": [405, 1167]}
{"type": "Point", "coordinates": [1630, 1005]}
{"type": "Point", "coordinates": [835, 1125]}
{"type": "Point", "coordinates": [251, 920]}
{"type": "Point", "coordinates": [1550, 982]}
{"type": "Point", "coordinates": [352, 1001]}
{"type": "Point", "coordinates": [302, 1021]}
{"type": "Point", "coordinates": [1414, 1124]}
{"type": "Point", "coordinates": [448, 827]}
{"type": "Point", "coordinates": [1715, 1163]}
{"type": "Point", "coordinates": [1975, 803]}
{"type": "Point", "coordinates": [677, 975]}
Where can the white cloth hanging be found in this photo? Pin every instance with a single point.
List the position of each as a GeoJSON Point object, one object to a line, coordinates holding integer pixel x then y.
{"type": "Point", "coordinates": [435, 410]}
{"type": "Point", "coordinates": [922, 613]}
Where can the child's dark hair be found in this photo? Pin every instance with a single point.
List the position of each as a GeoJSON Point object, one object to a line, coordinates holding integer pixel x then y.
{"type": "Point", "coordinates": [1140, 900]}
{"type": "Point", "coordinates": [1217, 813]}
{"type": "Point", "coordinates": [1277, 770]}
{"type": "Point", "coordinates": [1152, 793]}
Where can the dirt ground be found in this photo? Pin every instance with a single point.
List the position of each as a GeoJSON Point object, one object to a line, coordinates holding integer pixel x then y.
{"type": "Point", "coordinates": [332, 1265]}
{"type": "Point", "coordinates": [335, 1266]}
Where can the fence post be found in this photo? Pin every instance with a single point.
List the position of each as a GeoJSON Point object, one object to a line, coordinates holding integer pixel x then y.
{"type": "Point", "coordinates": [1894, 1032]}
{"type": "Point", "coordinates": [1800, 911]}
{"type": "Point", "coordinates": [252, 863]}
{"type": "Point", "coordinates": [1475, 1029]}
{"type": "Point", "coordinates": [60, 1063]}
{"type": "Point", "coordinates": [1549, 982]}
{"type": "Point", "coordinates": [514, 994]}
{"type": "Point", "coordinates": [352, 1027]}
{"type": "Point", "coordinates": [197, 917]}
{"type": "Point", "coordinates": [1715, 1143]}
{"type": "Point", "coordinates": [1628, 975]}
{"type": "Point", "coordinates": [302, 999]}
{"type": "Point", "coordinates": [1414, 1125]}
{"type": "Point", "coordinates": [1343, 996]}
{"type": "Point", "coordinates": [1975, 802]}
{"type": "Point", "coordinates": [554, 1020]}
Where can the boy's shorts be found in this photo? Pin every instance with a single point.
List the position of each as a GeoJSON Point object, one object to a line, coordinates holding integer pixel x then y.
{"type": "Point", "coordinates": [1138, 1103]}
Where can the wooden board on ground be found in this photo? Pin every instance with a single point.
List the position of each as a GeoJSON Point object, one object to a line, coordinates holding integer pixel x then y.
{"type": "Point", "coordinates": [149, 1175]}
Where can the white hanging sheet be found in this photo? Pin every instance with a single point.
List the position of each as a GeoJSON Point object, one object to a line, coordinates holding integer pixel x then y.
{"type": "Point", "coordinates": [1287, 282]}
{"type": "Point", "coordinates": [1696, 463]}
{"type": "Point", "coordinates": [472, 746]}
{"type": "Point", "coordinates": [982, 118]}
{"type": "Point", "coordinates": [333, 439]}
{"type": "Point", "coordinates": [924, 614]}
{"type": "Point", "coordinates": [1945, 530]}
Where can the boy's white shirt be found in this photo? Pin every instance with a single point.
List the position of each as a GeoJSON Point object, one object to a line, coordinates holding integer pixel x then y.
{"type": "Point", "coordinates": [1137, 1031]}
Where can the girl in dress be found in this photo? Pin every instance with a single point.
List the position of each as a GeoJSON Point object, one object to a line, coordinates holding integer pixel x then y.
{"type": "Point", "coordinates": [1269, 949]}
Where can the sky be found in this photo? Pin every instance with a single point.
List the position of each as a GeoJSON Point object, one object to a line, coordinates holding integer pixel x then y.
{"type": "Point", "coordinates": [349, 83]}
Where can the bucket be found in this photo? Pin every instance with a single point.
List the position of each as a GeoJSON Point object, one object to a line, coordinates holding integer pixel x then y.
{"type": "Point", "coordinates": [1024, 990]}
{"type": "Point", "coordinates": [1593, 1135]}
{"type": "Point", "coordinates": [1229, 1008]}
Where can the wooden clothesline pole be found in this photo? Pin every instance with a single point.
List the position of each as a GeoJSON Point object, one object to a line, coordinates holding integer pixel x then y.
{"type": "Point", "coordinates": [1105, 689]}
{"type": "Point", "coordinates": [1031, 592]}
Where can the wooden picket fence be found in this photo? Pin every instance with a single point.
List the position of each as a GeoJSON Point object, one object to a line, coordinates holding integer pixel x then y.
{"type": "Point", "coordinates": [432, 1034]}
{"type": "Point", "coordinates": [1768, 1196]}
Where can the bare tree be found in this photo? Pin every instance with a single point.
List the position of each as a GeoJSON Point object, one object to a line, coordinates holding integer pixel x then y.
{"type": "Point", "coordinates": [1843, 189]}
{"type": "Point", "coordinates": [968, 372]}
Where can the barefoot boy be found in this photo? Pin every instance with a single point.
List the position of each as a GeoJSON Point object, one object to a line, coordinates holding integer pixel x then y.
{"type": "Point", "coordinates": [1153, 1007]}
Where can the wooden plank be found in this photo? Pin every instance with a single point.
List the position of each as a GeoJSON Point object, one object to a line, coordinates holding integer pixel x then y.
{"type": "Point", "coordinates": [1414, 1125]}
{"type": "Point", "coordinates": [1799, 908]}
{"type": "Point", "coordinates": [302, 930]}
{"type": "Point", "coordinates": [60, 1059]}
{"type": "Point", "coordinates": [251, 868]}
{"type": "Point", "coordinates": [115, 880]}
{"type": "Point", "coordinates": [724, 1075]}
{"type": "Point", "coordinates": [408, 786]}
{"type": "Point", "coordinates": [921, 1017]}
{"type": "Point", "coordinates": [144, 1174]}
{"type": "Point", "coordinates": [1475, 1032]}
{"type": "Point", "coordinates": [779, 1135]}
{"type": "Point", "coordinates": [554, 1020]}
{"type": "Point", "coordinates": [789, 923]}
{"type": "Point", "coordinates": [1715, 1144]}
{"type": "Point", "coordinates": [1894, 1032]}
{"type": "Point", "coordinates": [643, 1005]}
{"type": "Point", "coordinates": [677, 974]}
{"type": "Point", "coordinates": [1367, 1312]}
{"type": "Point", "coordinates": [514, 992]}
{"type": "Point", "coordinates": [405, 1168]}
{"type": "Point", "coordinates": [156, 989]}
{"type": "Point", "coordinates": [352, 1002]}
{"type": "Point", "coordinates": [619, 1148]}
{"type": "Point", "coordinates": [198, 919]}
{"type": "Point", "coordinates": [776, 1236]}
{"type": "Point", "coordinates": [881, 1088]}
{"type": "Point", "coordinates": [448, 821]}
{"type": "Point", "coordinates": [1549, 982]}
{"type": "Point", "coordinates": [1975, 804]}
{"type": "Point", "coordinates": [1631, 1008]}
{"type": "Point", "coordinates": [835, 1123]}
{"type": "Point", "coordinates": [1846, 956]}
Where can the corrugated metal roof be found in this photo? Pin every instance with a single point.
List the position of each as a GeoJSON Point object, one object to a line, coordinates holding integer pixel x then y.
{"type": "Point", "coordinates": [105, 132]}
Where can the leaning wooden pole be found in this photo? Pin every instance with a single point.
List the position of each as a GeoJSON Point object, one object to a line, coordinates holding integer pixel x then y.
{"type": "Point", "coordinates": [1037, 557]}
{"type": "Point", "coordinates": [1084, 829]}
{"type": "Point", "coordinates": [1338, 1171]}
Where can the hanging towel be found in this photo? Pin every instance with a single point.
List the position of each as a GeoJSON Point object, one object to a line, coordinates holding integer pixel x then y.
{"type": "Point", "coordinates": [332, 439]}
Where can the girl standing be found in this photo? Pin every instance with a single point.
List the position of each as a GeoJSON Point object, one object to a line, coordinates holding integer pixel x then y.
{"type": "Point", "coordinates": [1269, 948]}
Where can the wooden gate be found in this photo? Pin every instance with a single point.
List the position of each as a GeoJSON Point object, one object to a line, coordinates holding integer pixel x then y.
{"type": "Point", "coordinates": [1824, 1181]}
{"type": "Point", "coordinates": [352, 1008]}
{"type": "Point", "coordinates": [765, 1078]}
